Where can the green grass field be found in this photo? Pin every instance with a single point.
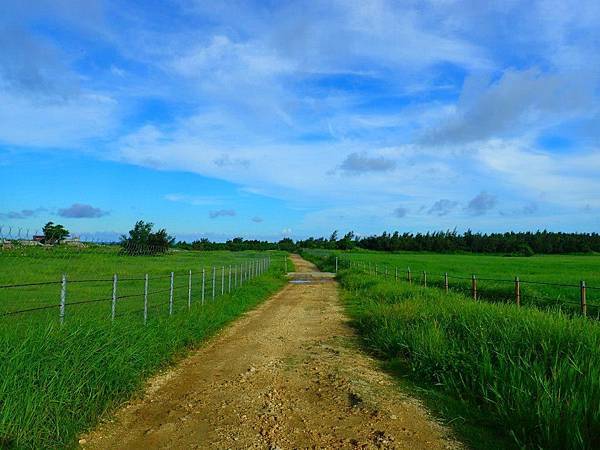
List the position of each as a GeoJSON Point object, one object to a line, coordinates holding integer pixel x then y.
{"type": "Point", "coordinates": [562, 272]}
{"type": "Point", "coordinates": [99, 263]}
{"type": "Point", "coordinates": [57, 380]}
{"type": "Point", "coordinates": [530, 376]}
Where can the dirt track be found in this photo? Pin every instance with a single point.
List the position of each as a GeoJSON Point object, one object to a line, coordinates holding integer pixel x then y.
{"type": "Point", "coordinates": [286, 375]}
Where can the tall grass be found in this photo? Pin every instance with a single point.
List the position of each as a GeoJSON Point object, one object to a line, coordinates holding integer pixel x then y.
{"type": "Point", "coordinates": [56, 381]}
{"type": "Point", "coordinates": [536, 374]}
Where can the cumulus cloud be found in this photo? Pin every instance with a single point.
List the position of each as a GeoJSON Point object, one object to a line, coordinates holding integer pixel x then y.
{"type": "Point", "coordinates": [481, 203]}
{"type": "Point", "coordinates": [81, 211]}
{"type": "Point", "coordinates": [221, 213]}
{"type": "Point", "coordinates": [22, 214]}
{"type": "Point", "coordinates": [400, 212]}
{"type": "Point", "coordinates": [442, 207]}
{"type": "Point", "coordinates": [357, 163]}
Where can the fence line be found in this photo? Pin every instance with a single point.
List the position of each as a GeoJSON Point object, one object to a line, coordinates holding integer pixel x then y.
{"type": "Point", "coordinates": [259, 267]}
{"type": "Point", "coordinates": [475, 292]}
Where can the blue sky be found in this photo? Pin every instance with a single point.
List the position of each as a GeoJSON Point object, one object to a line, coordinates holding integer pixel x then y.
{"type": "Point", "coordinates": [273, 118]}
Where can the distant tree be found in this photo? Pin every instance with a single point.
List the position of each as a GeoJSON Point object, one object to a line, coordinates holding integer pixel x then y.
{"type": "Point", "coordinates": [347, 242]}
{"type": "Point", "coordinates": [287, 244]}
{"type": "Point", "coordinates": [142, 241]}
{"type": "Point", "coordinates": [54, 233]}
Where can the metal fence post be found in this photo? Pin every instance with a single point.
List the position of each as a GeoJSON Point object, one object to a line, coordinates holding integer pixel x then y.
{"type": "Point", "coordinates": [474, 286]}
{"type": "Point", "coordinates": [583, 300]}
{"type": "Point", "coordinates": [145, 299]}
{"type": "Point", "coordinates": [190, 290]}
{"type": "Point", "coordinates": [517, 291]}
{"type": "Point", "coordinates": [203, 283]}
{"type": "Point", "coordinates": [63, 298]}
{"type": "Point", "coordinates": [114, 298]}
{"type": "Point", "coordinates": [214, 281]}
{"type": "Point", "coordinates": [171, 294]}
{"type": "Point", "coordinates": [222, 280]}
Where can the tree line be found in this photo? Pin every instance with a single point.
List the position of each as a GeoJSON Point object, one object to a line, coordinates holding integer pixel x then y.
{"type": "Point", "coordinates": [142, 239]}
{"type": "Point", "coordinates": [514, 243]}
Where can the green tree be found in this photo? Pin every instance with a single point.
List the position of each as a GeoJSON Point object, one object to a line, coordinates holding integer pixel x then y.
{"type": "Point", "coordinates": [54, 233]}
{"type": "Point", "coordinates": [142, 241]}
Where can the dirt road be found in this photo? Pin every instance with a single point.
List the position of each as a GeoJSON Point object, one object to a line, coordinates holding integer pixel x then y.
{"type": "Point", "coordinates": [286, 375]}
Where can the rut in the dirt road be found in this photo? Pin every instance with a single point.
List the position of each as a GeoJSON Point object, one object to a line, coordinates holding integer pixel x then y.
{"type": "Point", "coordinates": [286, 375]}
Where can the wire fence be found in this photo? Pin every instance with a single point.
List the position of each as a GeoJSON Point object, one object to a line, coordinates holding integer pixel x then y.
{"type": "Point", "coordinates": [200, 286]}
{"type": "Point", "coordinates": [45, 277]}
{"type": "Point", "coordinates": [570, 297]}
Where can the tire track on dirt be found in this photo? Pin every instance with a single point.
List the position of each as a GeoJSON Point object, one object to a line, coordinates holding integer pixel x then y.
{"type": "Point", "coordinates": [286, 375]}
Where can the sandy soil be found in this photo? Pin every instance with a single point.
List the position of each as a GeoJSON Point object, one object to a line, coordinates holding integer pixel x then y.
{"type": "Point", "coordinates": [286, 375]}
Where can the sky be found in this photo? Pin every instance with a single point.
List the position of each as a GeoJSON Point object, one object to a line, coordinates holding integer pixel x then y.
{"type": "Point", "coordinates": [266, 119]}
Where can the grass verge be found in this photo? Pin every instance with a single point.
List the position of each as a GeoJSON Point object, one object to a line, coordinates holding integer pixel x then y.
{"type": "Point", "coordinates": [533, 375]}
{"type": "Point", "coordinates": [58, 380]}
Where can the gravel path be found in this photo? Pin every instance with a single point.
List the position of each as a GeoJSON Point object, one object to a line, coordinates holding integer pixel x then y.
{"type": "Point", "coordinates": [286, 375]}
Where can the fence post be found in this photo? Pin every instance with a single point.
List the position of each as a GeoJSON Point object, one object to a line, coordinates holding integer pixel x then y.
{"type": "Point", "coordinates": [241, 274]}
{"type": "Point", "coordinates": [424, 279]}
{"type": "Point", "coordinates": [63, 298]}
{"type": "Point", "coordinates": [395, 273]}
{"type": "Point", "coordinates": [235, 271]}
{"type": "Point", "coordinates": [446, 282]}
{"type": "Point", "coordinates": [474, 286]}
{"type": "Point", "coordinates": [375, 269]}
{"type": "Point", "coordinates": [285, 257]}
{"type": "Point", "coordinates": [190, 290]}
{"type": "Point", "coordinates": [229, 282]}
{"type": "Point", "coordinates": [214, 281]}
{"type": "Point", "coordinates": [222, 280]}
{"type": "Point", "coordinates": [114, 298]}
{"type": "Point", "coordinates": [171, 294]}
{"type": "Point", "coordinates": [145, 299]}
{"type": "Point", "coordinates": [408, 276]}
{"type": "Point", "coordinates": [386, 271]}
{"type": "Point", "coordinates": [583, 298]}
{"type": "Point", "coordinates": [517, 291]}
{"type": "Point", "coordinates": [336, 264]}
{"type": "Point", "coordinates": [203, 282]}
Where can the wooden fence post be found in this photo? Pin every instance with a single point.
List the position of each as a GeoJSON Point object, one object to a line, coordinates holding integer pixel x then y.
{"type": "Point", "coordinates": [583, 299]}
{"type": "Point", "coordinates": [408, 276]}
{"type": "Point", "coordinates": [424, 279]}
{"type": "Point", "coordinates": [474, 286]}
{"type": "Point", "coordinates": [446, 288]}
{"type": "Point", "coordinates": [517, 291]}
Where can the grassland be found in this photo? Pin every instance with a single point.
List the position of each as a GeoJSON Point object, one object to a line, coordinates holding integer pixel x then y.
{"type": "Point", "coordinates": [58, 380]}
{"type": "Point", "coordinates": [562, 273]}
{"type": "Point", "coordinates": [531, 375]}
